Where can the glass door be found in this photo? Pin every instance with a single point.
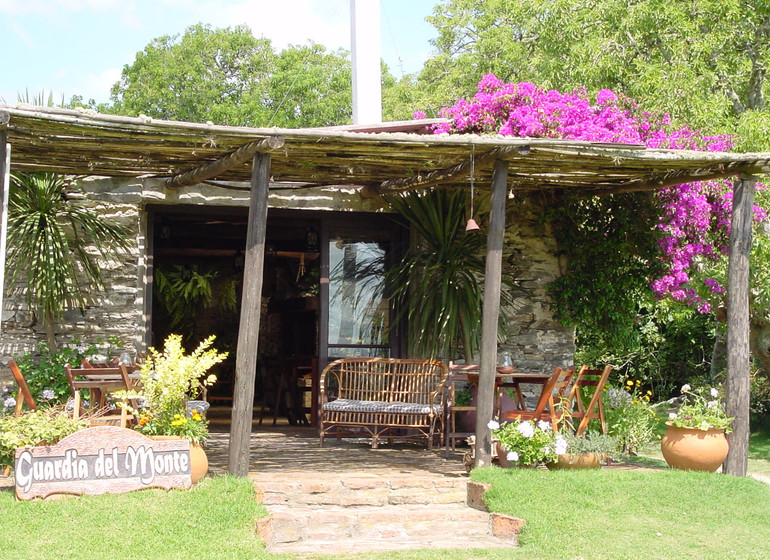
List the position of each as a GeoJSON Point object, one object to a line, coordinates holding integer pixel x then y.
{"type": "Point", "coordinates": [359, 314]}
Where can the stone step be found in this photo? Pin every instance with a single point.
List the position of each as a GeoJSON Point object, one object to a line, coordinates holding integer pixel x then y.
{"type": "Point", "coordinates": [363, 491]}
{"type": "Point", "coordinates": [389, 527]}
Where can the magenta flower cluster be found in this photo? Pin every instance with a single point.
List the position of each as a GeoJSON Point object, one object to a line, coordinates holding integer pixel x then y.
{"type": "Point", "coordinates": [695, 220]}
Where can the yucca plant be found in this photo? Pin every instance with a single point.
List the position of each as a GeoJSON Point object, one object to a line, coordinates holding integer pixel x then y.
{"type": "Point", "coordinates": [439, 280]}
{"type": "Point", "coordinates": [57, 245]}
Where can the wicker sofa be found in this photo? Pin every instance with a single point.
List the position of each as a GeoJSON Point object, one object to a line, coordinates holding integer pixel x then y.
{"type": "Point", "coordinates": [382, 397]}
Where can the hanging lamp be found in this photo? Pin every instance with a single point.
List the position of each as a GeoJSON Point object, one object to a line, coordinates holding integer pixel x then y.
{"type": "Point", "coordinates": [472, 226]}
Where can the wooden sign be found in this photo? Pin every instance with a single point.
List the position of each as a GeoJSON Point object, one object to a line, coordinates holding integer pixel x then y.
{"type": "Point", "coordinates": [102, 460]}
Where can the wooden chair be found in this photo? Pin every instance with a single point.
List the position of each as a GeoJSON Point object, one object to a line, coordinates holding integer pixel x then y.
{"type": "Point", "coordinates": [594, 410]}
{"type": "Point", "coordinates": [99, 381]}
{"type": "Point", "coordinates": [546, 397]}
{"type": "Point", "coordinates": [24, 395]}
{"type": "Point", "coordinates": [558, 400]}
{"type": "Point", "coordinates": [457, 373]}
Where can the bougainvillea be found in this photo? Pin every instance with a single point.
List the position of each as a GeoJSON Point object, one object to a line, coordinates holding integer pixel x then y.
{"type": "Point", "coordinates": [695, 219]}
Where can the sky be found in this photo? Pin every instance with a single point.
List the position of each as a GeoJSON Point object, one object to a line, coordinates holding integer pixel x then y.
{"type": "Point", "coordinates": [79, 47]}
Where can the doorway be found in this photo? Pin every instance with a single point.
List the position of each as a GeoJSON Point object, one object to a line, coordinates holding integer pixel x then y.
{"type": "Point", "coordinates": [323, 296]}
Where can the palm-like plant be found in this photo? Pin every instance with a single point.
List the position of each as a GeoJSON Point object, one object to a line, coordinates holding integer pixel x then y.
{"type": "Point", "coordinates": [57, 245]}
{"type": "Point", "coordinates": [438, 280]}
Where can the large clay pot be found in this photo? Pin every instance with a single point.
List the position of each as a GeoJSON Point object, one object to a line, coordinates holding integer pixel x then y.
{"type": "Point", "coordinates": [199, 462]}
{"type": "Point", "coordinates": [502, 460]}
{"type": "Point", "coordinates": [577, 461]}
{"type": "Point", "coordinates": [693, 449]}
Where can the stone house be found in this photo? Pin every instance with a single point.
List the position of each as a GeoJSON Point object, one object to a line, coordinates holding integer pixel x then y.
{"type": "Point", "coordinates": [322, 187]}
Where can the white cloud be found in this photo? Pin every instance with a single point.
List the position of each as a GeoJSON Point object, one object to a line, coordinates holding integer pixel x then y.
{"type": "Point", "coordinates": [98, 85]}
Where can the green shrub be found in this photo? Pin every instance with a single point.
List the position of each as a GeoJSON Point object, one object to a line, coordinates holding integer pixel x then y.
{"type": "Point", "coordinates": [46, 426]}
{"type": "Point", "coordinates": [44, 370]}
{"type": "Point", "coordinates": [760, 398]}
{"type": "Point", "coordinates": [629, 416]}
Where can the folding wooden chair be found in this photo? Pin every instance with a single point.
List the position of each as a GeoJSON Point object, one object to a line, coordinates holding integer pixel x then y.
{"type": "Point", "coordinates": [99, 381]}
{"type": "Point", "coordinates": [558, 400]}
{"type": "Point", "coordinates": [594, 410]}
{"type": "Point", "coordinates": [24, 395]}
{"type": "Point", "coordinates": [546, 397]}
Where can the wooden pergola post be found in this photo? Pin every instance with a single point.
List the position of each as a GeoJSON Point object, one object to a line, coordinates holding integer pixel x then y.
{"type": "Point", "coordinates": [248, 332]}
{"type": "Point", "coordinates": [5, 185]}
{"type": "Point", "coordinates": [738, 354]}
{"type": "Point", "coordinates": [492, 283]}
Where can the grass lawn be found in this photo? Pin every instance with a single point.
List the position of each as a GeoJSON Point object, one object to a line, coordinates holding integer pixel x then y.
{"type": "Point", "coordinates": [593, 515]}
{"type": "Point", "coordinates": [619, 514]}
{"type": "Point", "coordinates": [214, 520]}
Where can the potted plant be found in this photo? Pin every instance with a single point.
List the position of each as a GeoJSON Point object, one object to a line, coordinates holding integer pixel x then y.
{"type": "Point", "coordinates": [169, 380]}
{"type": "Point", "coordinates": [586, 451]}
{"type": "Point", "coordinates": [695, 435]}
{"type": "Point", "coordinates": [526, 443]}
{"type": "Point", "coordinates": [42, 427]}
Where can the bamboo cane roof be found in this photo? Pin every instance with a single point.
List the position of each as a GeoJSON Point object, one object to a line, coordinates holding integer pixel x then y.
{"type": "Point", "coordinates": [79, 142]}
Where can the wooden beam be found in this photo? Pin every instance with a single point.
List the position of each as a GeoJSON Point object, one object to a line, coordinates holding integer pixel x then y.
{"type": "Point", "coordinates": [439, 175]}
{"type": "Point", "coordinates": [738, 354]}
{"type": "Point", "coordinates": [219, 166]}
{"type": "Point", "coordinates": [493, 275]}
{"type": "Point", "coordinates": [248, 332]}
{"type": "Point", "coordinates": [5, 118]}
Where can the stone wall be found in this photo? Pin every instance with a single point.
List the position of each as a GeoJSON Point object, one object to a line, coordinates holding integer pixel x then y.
{"type": "Point", "coordinates": [534, 338]}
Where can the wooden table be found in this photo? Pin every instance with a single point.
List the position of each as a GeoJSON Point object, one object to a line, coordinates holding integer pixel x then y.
{"type": "Point", "coordinates": [470, 374]}
{"type": "Point", "coordinates": [516, 379]}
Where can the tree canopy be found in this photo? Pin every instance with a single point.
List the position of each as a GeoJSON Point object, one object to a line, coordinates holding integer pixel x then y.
{"type": "Point", "coordinates": [229, 77]}
{"type": "Point", "coordinates": [703, 62]}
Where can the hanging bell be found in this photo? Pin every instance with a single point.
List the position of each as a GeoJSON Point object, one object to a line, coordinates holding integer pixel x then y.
{"type": "Point", "coordinates": [471, 226]}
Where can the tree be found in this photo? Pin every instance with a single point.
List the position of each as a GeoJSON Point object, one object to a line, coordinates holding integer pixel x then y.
{"type": "Point", "coordinates": [207, 74]}
{"type": "Point", "coordinates": [310, 87]}
{"type": "Point", "coordinates": [704, 62]}
{"type": "Point", "coordinates": [51, 241]}
{"type": "Point", "coordinates": [229, 77]}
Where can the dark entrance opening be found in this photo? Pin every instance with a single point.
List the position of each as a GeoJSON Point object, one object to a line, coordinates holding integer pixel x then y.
{"type": "Point", "coordinates": [197, 266]}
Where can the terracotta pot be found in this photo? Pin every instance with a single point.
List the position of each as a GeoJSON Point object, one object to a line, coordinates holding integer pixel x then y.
{"type": "Point", "coordinates": [693, 449]}
{"type": "Point", "coordinates": [199, 462]}
{"type": "Point", "coordinates": [502, 460]}
{"type": "Point", "coordinates": [577, 461]}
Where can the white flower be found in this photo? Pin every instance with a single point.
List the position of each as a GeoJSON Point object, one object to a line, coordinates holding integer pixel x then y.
{"type": "Point", "coordinates": [712, 404]}
{"type": "Point", "coordinates": [704, 425]}
{"type": "Point", "coordinates": [526, 429]}
{"type": "Point", "coordinates": [686, 388]}
{"type": "Point", "coordinates": [512, 456]}
{"type": "Point", "coordinates": [672, 415]}
{"type": "Point", "coordinates": [47, 394]}
{"type": "Point", "coordinates": [493, 425]}
{"type": "Point", "coordinates": [543, 425]}
{"type": "Point", "coordinates": [714, 393]}
{"type": "Point", "coordinates": [560, 445]}
{"type": "Point", "coordinates": [9, 402]}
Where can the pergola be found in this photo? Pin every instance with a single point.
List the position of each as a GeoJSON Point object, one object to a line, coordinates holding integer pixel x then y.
{"type": "Point", "coordinates": [383, 158]}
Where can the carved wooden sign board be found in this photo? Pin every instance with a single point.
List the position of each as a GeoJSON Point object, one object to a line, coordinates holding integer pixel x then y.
{"type": "Point", "coordinates": [102, 460]}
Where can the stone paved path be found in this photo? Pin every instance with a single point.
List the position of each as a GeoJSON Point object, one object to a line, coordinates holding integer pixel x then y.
{"type": "Point", "coordinates": [347, 497]}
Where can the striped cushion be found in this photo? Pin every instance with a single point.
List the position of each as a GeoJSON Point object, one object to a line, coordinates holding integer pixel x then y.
{"type": "Point", "coordinates": [350, 405]}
